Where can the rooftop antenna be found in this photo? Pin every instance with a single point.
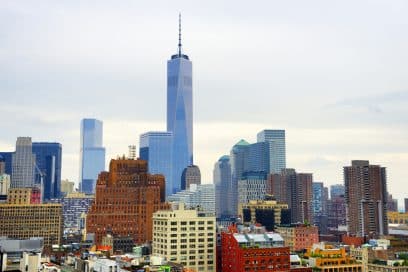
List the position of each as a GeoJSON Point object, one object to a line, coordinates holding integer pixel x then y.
{"type": "Point", "coordinates": [179, 44]}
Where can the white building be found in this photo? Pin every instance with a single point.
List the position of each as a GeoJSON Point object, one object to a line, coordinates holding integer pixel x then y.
{"type": "Point", "coordinates": [202, 196]}
{"type": "Point", "coordinates": [186, 237]}
{"type": "Point", "coordinates": [4, 184]}
{"type": "Point", "coordinates": [23, 163]}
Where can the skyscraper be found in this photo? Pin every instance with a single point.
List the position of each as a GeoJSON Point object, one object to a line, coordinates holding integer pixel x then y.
{"type": "Point", "coordinates": [180, 112]}
{"type": "Point", "coordinates": [155, 148]}
{"type": "Point", "coordinates": [222, 182]}
{"type": "Point", "coordinates": [366, 198]}
{"type": "Point", "coordinates": [92, 154]}
{"type": "Point", "coordinates": [48, 160]}
{"type": "Point", "coordinates": [296, 190]}
{"type": "Point", "coordinates": [23, 163]}
{"type": "Point", "coordinates": [191, 175]}
{"type": "Point", "coordinates": [277, 148]}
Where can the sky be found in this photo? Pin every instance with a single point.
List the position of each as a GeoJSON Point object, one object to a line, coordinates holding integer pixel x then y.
{"type": "Point", "coordinates": [333, 74]}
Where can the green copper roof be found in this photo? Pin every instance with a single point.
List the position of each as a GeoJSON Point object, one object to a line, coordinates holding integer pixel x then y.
{"type": "Point", "coordinates": [224, 158]}
{"type": "Point", "coordinates": [242, 142]}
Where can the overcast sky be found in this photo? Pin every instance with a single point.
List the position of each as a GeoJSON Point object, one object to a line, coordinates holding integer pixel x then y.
{"type": "Point", "coordinates": [333, 74]}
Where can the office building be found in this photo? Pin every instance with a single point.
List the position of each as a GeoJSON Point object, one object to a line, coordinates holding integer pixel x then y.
{"type": "Point", "coordinates": [155, 148]}
{"type": "Point", "coordinates": [6, 161]}
{"type": "Point", "coordinates": [201, 196]}
{"type": "Point", "coordinates": [252, 186]}
{"type": "Point", "coordinates": [2, 165]}
{"type": "Point", "coordinates": [277, 148]}
{"type": "Point", "coordinates": [222, 181]}
{"type": "Point", "coordinates": [298, 236]}
{"type": "Point", "coordinates": [336, 212]}
{"type": "Point", "coordinates": [337, 190]}
{"type": "Point", "coordinates": [253, 252]}
{"type": "Point", "coordinates": [48, 168]}
{"type": "Point", "coordinates": [186, 237]}
{"type": "Point", "coordinates": [125, 199]}
{"type": "Point", "coordinates": [268, 213]}
{"type": "Point", "coordinates": [239, 161]}
{"type": "Point", "coordinates": [366, 198]}
{"type": "Point", "coordinates": [296, 190]}
{"type": "Point", "coordinates": [23, 163]}
{"type": "Point", "coordinates": [67, 187]}
{"type": "Point", "coordinates": [191, 175]}
{"type": "Point", "coordinates": [4, 184]}
{"type": "Point", "coordinates": [319, 206]}
{"type": "Point", "coordinates": [180, 112]}
{"type": "Point", "coordinates": [392, 204]}
{"type": "Point", "coordinates": [23, 221]}
{"type": "Point", "coordinates": [73, 206]}
{"type": "Point", "coordinates": [406, 204]}
{"type": "Point", "coordinates": [132, 152]}
{"type": "Point", "coordinates": [92, 154]}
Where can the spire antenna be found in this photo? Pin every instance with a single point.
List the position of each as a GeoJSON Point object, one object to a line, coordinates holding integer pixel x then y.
{"type": "Point", "coordinates": [179, 44]}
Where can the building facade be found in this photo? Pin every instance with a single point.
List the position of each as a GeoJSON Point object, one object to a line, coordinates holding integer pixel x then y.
{"type": "Point", "coordinates": [48, 170]}
{"type": "Point", "coordinates": [268, 213]}
{"type": "Point", "coordinates": [156, 149]}
{"type": "Point", "coordinates": [277, 148]}
{"type": "Point", "coordinates": [366, 198]}
{"type": "Point", "coordinates": [180, 112]}
{"type": "Point", "coordinates": [201, 197]}
{"type": "Point", "coordinates": [296, 190]}
{"type": "Point", "coordinates": [252, 186]}
{"type": "Point", "coordinates": [186, 237]}
{"type": "Point", "coordinates": [23, 164]}
{"type": "Point", "coordinates": [222, 181]}
{"type": "Point", "coordinates": [125, 199]}
{"type": "Point", "coordinates": [253, 252]}
{"type": "Point", "coordinates": [92, 154]}
{"type": "Point", "coordinates": [23, 221]}
{"type": "Point", "coordinates": [24, 196]}
{"type": "Point", "coordinates": [191, 175]}
{"type": "Point", "coordinates": [67, 187]}
{"type": "Point", "coordinates": [298, 237]}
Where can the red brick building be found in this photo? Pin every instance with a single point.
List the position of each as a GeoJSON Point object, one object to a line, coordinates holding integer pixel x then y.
{"type": "Point", "coordinates": [126, 198]}
{"type": "Point", "coordinates": [253, 252]}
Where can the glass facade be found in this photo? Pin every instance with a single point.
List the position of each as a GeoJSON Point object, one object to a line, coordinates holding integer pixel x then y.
{"type": "Point", "coordinates": [223, 187]}
{"type": "Point", "coordinates": [92, 154]}
{"type": "Point", "coordinates": [277, 148]}
{"type": "Point", "coordinates": [23, 163]}
{"type": "Point", "coordinates": [180, 114]}
{"type": "Point", "coordinates": [48, 160]}
{"type": "Point", "coordinates": [155, 148]}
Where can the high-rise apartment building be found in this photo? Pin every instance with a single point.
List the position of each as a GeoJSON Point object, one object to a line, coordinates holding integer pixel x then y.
{"type": "Point", "coordinates": [132, 152]}
{"type": "Point", "coordinates": [191, 175]}
{"type": "Point", "coordinates": [180, 112]}
{"type": "Point", "coordinates": [23, 221]}
{"type": "Point", "coordinates": [277, 148]}
{"type": "Point", "coordinates": [23, 164]}
{"type": "Point", "coordinates": [156, 149]}
{"type": "Point", "coordinates": [337, 190]}
{"type": "Point", "coordinates": [48, 169]}
{"type": "Point", "coordinates": [92, 154]}
{"type": "Point", "coordinates": [222, 183]}
{"type": "Point", "coordinates": [186, 237]}
{"type": "Point", "coordinates": [319, 205]}
{"type": "Point", "coordinates": [125, 199]}
{"type": "Point", "coordinates": [296, 190]}
{"type": "Point", "coordinates": [366, 198]}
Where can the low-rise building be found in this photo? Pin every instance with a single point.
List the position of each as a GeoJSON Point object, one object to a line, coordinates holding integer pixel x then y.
{"type": "Point", "coordinates": [253, 252]}
{"type": "Point", "coordinates": [186, 237]}
{"type": "Point", "coordinates": [326, 258]}
{"type": "Point", "coordinates": [397, 218]}
{"type": "Point", "coordinates": [26, 196]}
{"type": "Point", "coordinates": [298, 236]}
{"type": "Point", "coordinates": [268, 213]}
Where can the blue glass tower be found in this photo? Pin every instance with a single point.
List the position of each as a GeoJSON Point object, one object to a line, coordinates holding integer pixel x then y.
{"type": "Point", "coordinates": [155, 148]}
{"type": "Point", "coordinates": [92, 154]}
{"type": "Point", "coordinates": [48, 161]}
{"type": "Point", "coordinates": [180, 112]}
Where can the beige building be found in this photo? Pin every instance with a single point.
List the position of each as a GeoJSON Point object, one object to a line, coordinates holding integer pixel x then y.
{"type": "Point", "coordinates": [19, 196]}
{"type": "Point", "coordinates": [23, 221]}
{"type": "Point", "coordinates": [298, 237]}
{"type": "Point", "coordinates": [67, 186]}
{"type": "Point", "coordinates": [4, 184]}
{"type": "Point", "coordinates": [185, 236]}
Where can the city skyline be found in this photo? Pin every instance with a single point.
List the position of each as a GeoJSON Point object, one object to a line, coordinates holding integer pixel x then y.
{"type": "Point", "coordinates": [328, 68]}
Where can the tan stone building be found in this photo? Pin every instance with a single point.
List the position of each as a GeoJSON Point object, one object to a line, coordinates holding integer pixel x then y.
{"type": "Point", "coordinates": [187, 237]}
{"type": "Point", "coordinates": [23, 221]}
